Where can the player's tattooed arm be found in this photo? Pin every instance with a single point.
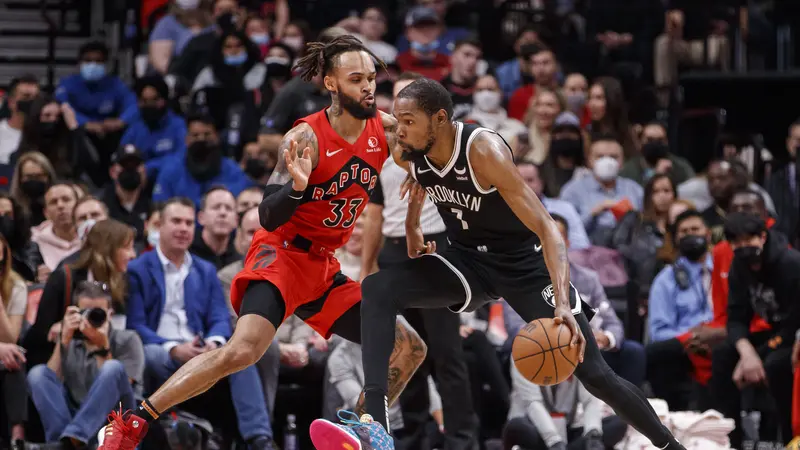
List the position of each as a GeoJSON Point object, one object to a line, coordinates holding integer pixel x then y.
{"type": "Point", "coordinates": [408, 354]}
{"type": "Point", "coordinates": [395, 149]}
{"type": "Point", "coordinates": [304, 136]}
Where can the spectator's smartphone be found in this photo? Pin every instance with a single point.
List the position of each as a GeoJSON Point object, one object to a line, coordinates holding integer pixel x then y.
{"type": "Point", "coordinates": [200, 341]}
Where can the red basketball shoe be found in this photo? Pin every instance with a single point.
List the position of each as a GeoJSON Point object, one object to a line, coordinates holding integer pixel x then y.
{"type": "Point", "coordinates": [123, 432]}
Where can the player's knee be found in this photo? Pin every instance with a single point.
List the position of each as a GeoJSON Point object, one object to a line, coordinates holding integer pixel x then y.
{"type": "Point", "coordinates": [413, 347]}
{"type": "Point", "coordinates": [375, 290]}
{"type": "Point", "coordinates": [595, 374]}
{"type": "Point", "coordinates": [240, 356]}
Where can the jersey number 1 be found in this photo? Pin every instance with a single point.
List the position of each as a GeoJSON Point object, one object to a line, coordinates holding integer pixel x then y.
{"type": "Point", "coordinates": [338, 212]}
{"type": "Point", "coordinates": [460, 216]}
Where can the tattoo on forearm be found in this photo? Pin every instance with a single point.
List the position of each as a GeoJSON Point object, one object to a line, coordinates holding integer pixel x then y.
{"type": "Point", "coordinates": [409, 352]}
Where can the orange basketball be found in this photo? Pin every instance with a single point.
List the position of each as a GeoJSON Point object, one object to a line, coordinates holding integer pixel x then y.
{"type": "Point", "coordinates": [542, 353]}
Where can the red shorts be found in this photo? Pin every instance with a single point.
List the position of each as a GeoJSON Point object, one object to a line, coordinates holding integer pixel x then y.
{"type": "Point", "coordinates": [302, 277]}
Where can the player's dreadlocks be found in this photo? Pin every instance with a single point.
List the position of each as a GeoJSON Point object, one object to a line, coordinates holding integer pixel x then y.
{"type": "Point", "coordinates": [320, 57]}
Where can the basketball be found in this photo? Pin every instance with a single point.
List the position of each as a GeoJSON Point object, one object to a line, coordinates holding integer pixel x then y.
{"type": "Point", "coordinates": [542, 353]}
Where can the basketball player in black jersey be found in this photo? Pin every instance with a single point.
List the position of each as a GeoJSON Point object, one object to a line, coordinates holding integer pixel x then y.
{"type": "Point", "coordinates": [494, 225]}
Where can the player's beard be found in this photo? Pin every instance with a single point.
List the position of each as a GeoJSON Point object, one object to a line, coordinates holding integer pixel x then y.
{"type": "Point", "coordinates": [355, 108]}
{"type": "Point", "coordinates": [415, 154]}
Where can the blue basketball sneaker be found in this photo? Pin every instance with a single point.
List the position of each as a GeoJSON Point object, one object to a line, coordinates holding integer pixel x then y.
{"type": "Point", "coordinates": [351, 434]}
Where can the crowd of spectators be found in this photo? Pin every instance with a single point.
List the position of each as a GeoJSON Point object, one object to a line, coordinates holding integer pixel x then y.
{"type": "Point", "coordinates": [126, 211]}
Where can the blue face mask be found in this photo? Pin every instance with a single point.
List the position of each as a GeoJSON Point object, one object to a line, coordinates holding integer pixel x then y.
{"type": "Point", "coordinates": [260, 39]}
{"type": "Point", "coordinates": [424, 48]}
{"type": "Point", "coordinates": [92, 71]}
{"type": "Point", "coordinates": [236, 60]}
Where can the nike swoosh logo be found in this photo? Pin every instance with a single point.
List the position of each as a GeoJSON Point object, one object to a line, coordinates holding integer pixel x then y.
{"type": "Point", "coordinates": [538, 248]}
{"type": "Point", "coordinates": [331, 153]}
{"type": "Point", "coordinates": [423, 170]}
{"type": "Point", "coordinates": [460, 172]}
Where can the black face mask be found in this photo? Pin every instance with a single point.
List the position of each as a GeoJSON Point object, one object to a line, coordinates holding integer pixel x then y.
{"type": "Point", "coordinates": [151, 115]}
{"type": "Point", "coordinates": [49, 129]}
{"type": "Point", "coordinates": [255, 168]}
{"type": "Point", "coordinates": [226, 22]}
{"type": "Point", "coordinates": [129, 179]}
{"type": "Point", "coordinates": [567, 148]}
{"type": "Point", "coordinates": [204, 160]}
{"type": "Point", "coordinates": [693, 247]}
{"type": "Point", "coordinates": [7, 228]}
{"type": "Point", "coordinates": [24, 106]}
{"type": "Point", "coordinates": [654, 151]}
{"type": "Point", "coordinates": [278, 71]}
{"type": "Point", "coordinates": [750, 254]}
{"type": "Point", "coordinates": [34, 189]}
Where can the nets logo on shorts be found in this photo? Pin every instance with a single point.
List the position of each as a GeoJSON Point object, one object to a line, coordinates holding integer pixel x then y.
{"type": "Point", "coordinates": [548, 295]}
{"type": "Point", "coordinates": [265, 255]}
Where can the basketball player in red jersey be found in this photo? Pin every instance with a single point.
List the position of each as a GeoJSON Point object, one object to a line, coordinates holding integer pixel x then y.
{"type": "Point", "coordinates": [310, 205]}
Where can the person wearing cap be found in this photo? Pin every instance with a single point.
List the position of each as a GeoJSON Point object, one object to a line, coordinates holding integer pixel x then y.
{"type": "Point", "coordinates": [654, 157]}
{"type": "Point", "coordinates": [565, 159]}
{"type": "Point", "coordinates": [126, 196]}
{"type": "Point", "coordinates": [154, 131]}
{"type": "Point", "coordinates": [425, 52]}
{"type": "Point", "coordinates": [445, 36]}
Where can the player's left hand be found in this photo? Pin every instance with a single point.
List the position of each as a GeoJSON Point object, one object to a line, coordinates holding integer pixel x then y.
{"type": "Point", "coordinates": [563, 315]}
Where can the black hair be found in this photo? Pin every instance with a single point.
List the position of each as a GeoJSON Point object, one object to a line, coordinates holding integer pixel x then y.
{"type": "Point", "coordinates": [321, 57]}
{"type": "Point", "coordinates": [429, 95]}
{"type": "Point", "coordinates": [154, 81]}
{"type": "Point", "coordinates": [202, 118]}
{"type": "Point", "coordinates": [686, 215]}
{"type": "Point", "coordinates": [27, 78]}
{"type": "Point", "coordinates": [183, 201]}
{"type": "Point", "coordinates": [562, 220]}
{"type": "Point", "coordinates": [91, 289]}
{"type": "Point", "coordinates": [743, 225]}
{"type": "Point", "coordinates": [289, 50]}
{"type": "Point", "coordinates": [469, 40]}
{"type": "Point", "coordinates": [604, 137]}
{"type": "Point", "coordinates": [93, 46]}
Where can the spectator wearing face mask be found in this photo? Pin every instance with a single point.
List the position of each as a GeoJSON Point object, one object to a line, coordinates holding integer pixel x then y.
{"type": "Point", "coordinates": [98, 99]}
{"type": "Point", "coordinates": [20, 96]}
{"type": "Point", "coordinates": [424, 54]}
{"type": "Point", "coordinates": [217, 217]}
{"type": "Point", "coordinates": [126, 196]}
{"type": "Point", "coordinates": [25, 256]}
{"type": "Point", "coordinates": [53, 130]}
{"type": "Point", "coordinates": [201, 167]}
{"type": "Point", "coordinates": [604, 195]}
{"type": "Point", "coordinates": [487, 109]}
{"type": "Point", "coordinates": [257, 29]}
{"type": "Point", "coordinates": [154, 130]}
{"type": "Point", "coordinates": [33, 175]}
{"type": "Point", "coordinates": [576, 92]}
{"type": "Point", "coordinates": [185, 18]}
{"type": "Point", "coordinates": [460, 82]}
{"type": "Point", "coordinates": [257, 163]}
{"type": "Point", "coordinates": [514, 73]}
{"type": "Point", "coordinates": [279, 72]}
{"type": "Point", "coordinates": [151, 227]}
{"type": "Point", "coordinates": [762, 282]}
{"type": "Point", "coordinates": [444, 37]}
{"type": "Point", "coordinates": [655, 158]}
{"type": "Point", "coordinates": [565, 158]}
{"type": "Point", "coordinates": [196, 55]}
{"type": "Point", "coordinates": [87, 212]}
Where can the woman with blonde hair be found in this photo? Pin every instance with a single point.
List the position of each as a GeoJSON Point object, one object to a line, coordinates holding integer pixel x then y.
{"type": "Point", "coordinates": [33, 175]}
{"type": "Point", "coordinates": [104, 258]}
{"type": "Point", "coordinates": [13, 294]}
{"type": "Point", "coordinates": [541, 115]}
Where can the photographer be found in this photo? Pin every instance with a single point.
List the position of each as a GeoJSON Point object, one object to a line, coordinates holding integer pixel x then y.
{"type": "Point", "coordinates": [92, 370]}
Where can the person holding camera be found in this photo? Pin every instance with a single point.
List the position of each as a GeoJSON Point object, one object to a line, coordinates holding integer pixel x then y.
{"type": "Point", "coordinates": [93, 368]}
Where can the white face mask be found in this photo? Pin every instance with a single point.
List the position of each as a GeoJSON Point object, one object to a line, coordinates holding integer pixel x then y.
{"type": "Point", "coordinates": [187, 4]}
{"type": "Point", "coordinates": [576, 101]}
{"type": "Point", "coordinates": [84, 227]}
{"type": "Point", "coordinates": [152, 237]}
{"type": "Point", "coordinates": [606, 168]}
{"type": "Point", "coordinates": [487, 101]}
{"type": "Point", "coordinates": [294, 42]}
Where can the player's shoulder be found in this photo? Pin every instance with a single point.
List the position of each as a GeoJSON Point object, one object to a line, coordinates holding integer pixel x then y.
{"type": "Point", "coordinates": [388, 121]}
{"type": "Point", "coordinates": [303, 133]}
{"type": "Point", "coordinates": [487, 146]}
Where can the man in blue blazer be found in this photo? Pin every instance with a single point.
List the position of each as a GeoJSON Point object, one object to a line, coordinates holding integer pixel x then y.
{"type": "Point", "coordinates": [177, 306]}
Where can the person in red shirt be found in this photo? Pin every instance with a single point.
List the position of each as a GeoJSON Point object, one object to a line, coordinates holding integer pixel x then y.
{"type": "Point", "coordinates": [310, 205]}
{"type": "Point", "coordinates": [544, 67]}
{"type": "Point", "coordinates": [424, 56]}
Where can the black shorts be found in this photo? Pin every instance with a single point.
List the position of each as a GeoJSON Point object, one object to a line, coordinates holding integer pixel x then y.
{"type": "Point", "coordinates": [464, 279]}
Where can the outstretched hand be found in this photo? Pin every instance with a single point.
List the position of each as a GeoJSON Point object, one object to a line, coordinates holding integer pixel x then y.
{"type": "Point", "coordinates": [563, 315]}
{"type": "Point", "coordinates": [299, 166]}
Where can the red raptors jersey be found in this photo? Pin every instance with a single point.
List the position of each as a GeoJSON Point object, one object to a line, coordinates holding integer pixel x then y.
{"type": "Point", "coordinates": [339, 187]}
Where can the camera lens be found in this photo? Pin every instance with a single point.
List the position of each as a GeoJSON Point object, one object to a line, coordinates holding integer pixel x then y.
{"type": "Point", "coordinates": [96, 317]}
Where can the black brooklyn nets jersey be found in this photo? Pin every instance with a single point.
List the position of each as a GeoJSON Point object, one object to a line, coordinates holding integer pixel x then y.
{"type": "Point", "coordinates": [475, 217]}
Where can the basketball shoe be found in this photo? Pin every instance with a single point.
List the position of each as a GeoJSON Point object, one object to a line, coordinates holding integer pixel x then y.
{"type": "Point", "coordinates": [123, 432]}
{"type": "Point", "coordinates": [352, 434]}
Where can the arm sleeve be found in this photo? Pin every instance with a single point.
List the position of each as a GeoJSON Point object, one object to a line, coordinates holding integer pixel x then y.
{"type": "Point", "coordinates": [740, 312]}
{"type": "Point", "coordinates": [377, 194]}
{"type": "Point", "coordinates": [278, 205]}
{"type": "Point", "coordinates": [662, 314]}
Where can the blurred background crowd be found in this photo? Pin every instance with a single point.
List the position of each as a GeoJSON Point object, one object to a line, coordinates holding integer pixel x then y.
{"type": "Point", "coordinates": [138, 133]}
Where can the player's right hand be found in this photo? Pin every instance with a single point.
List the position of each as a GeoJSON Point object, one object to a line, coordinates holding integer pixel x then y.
{"type": "Point", "coordinates": [299, 166]}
